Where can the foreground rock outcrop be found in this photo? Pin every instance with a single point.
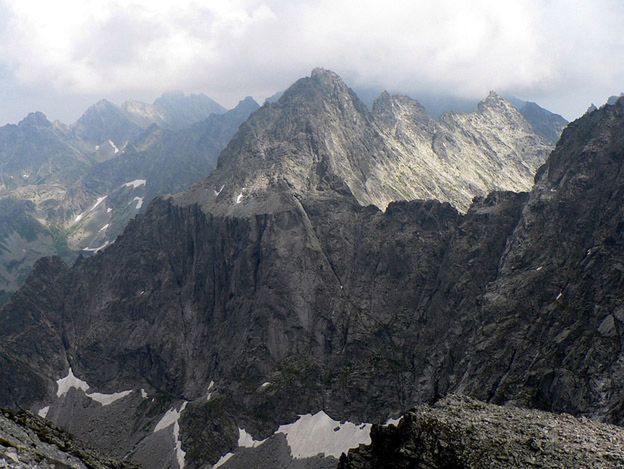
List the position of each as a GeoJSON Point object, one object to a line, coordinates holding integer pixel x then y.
{"type": "Point", "coordinates": [459, 432]}
{"type": "Point", "coordinates": [28, 441]}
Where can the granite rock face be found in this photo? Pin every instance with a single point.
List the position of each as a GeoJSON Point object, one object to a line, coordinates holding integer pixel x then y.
{"type": "Point", "coordinates": [460, 432]}
{"type": "Point", "coordinates": [222, 317]}
{"type": "Point", "coordinates": [319, 136]}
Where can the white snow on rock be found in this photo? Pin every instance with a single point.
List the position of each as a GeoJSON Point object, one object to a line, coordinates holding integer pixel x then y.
{"type": "Point", "coordinates": [209, 395]}
{"type": "Point", "coordinates": [539, 268]}
{"type": "Point", "coordinates": [559, 296]}
{"type": "Point", "coordinates": [239, 198]}
{"type": "Point", "coordinates": [97, 202]}
{"type": "Point", "coordinates": [143, 393]}
{"type": "Point", "coordinates": [43, 412]}
{"type": "Point", "coordinates": [265, 385]}
{"type": "Point", "coordinates": [107, 399]}
{"type": "Point", "coordinates": [246, 440]}
{"type": "Point", "coordinates": [113, 146]}
{"type": "Point", "coordinates": [98, 249]}
{"type": "Point", "coordinates": [109, 210]}
{"type": "Point", "coordinates": [139, 202]}
{"type": "Point", "coordinates": [392, 421]}
{"type": "Point", "coordinates": [171, 417]}
{"type": "Point", "coordinates": [134, 184]}
{"type": "Point", "coordinates": [216, 193]}
{"type": "Point", "coordinates": [222, 460]}
{"type": "Point", "coordinates": [319, 433]}
{"type": "Point", "coordinates": [70, 381]}
{"type": "Point", "coordinates": [104, 227]}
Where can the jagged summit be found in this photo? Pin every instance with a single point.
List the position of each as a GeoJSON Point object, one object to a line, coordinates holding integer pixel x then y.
{"type": "Point", "coordinates": [35, 119]}
{"type": "Point", "coordinates": [615, 99]}
{"type": "Point", "coordinates": [105, 121]}
{"type": "Point", "coordinates": [319, 138]}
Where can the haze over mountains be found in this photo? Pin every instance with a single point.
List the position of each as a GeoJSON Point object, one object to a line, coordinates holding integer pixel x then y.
{"type": "Point", "coordinates": [75, 187]}
{"type": "Point", "coordinates": [290, 297]}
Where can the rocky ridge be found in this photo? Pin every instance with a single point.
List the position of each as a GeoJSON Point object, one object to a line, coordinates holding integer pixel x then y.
{"type": "Point", "coordinates": [461, 432]}
{"type": "Point", "coordinates": [319, 136]}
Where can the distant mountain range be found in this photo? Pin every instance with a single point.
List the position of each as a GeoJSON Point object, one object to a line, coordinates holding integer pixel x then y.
{"type": "Point", "coordinates": [69, 189]}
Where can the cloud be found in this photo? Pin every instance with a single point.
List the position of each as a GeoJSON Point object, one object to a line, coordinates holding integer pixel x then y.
{"type": "Point", "coordinates": [564, 52]}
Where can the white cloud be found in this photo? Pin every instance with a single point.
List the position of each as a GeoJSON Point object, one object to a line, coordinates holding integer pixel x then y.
{"type": "Point", "coordinates": [561, 51]}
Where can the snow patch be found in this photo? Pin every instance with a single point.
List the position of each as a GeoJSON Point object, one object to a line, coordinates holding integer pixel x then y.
{"type": "Point", "coordinates": [97, 147]}
{"type": "Point", "coordinates": [70, 381]}
{"type": "Point", "coordinates": [245, 440]}
{"type": "Point", "coordinates": [97, 202]}
{"type": "Point", "coordinates": [143, 393]}
{"type": "Point", "coordinates": [109, 210]}
{"type": "Point", "coordinates": [134, 184]}
{"type": "Point", "coordinates": [265, 385]}
{"type": "Point", "coordinates": [209, 388]}
{"type": "Point", "coordinates": [222, 460]}
{"type": "Point", "coordinates": [43, 413]}
{"type": "Point", "coordinates": [98, 249]}
{"type": "Point", "coordinates": [392, 421]}
{"type": "Point", "coordinates": [319, 433]}
{"type": "Point", "coordinates": [216, 193]}
{"type": "Point", "coordinates": [239, 198]}
{"type": "Point", "coordinates": [113, 146]}
{"type": "Point", "coordinates": [559, 296]}
{"type": "Point", "coordinates": [539, 268]}
{"type": "Point", "coordinates": [104, 227]}
{"type": "Point", "coordinates": [171, 417]}
{"type": "Point", "coordinates": [107, 399]}
{"type": "Point", "coordinates": [139, 202]}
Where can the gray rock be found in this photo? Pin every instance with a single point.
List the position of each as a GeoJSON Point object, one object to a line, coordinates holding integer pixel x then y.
{"type": "Point", "coordinates": [465, 433]}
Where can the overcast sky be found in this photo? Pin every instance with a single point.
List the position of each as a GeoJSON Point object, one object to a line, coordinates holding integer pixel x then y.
{"type": "Point", "coordinates": [60, 56]}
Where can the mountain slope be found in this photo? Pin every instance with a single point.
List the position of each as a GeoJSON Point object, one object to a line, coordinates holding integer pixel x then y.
{"type": "Point", "coordinates": [298, 310]}
{"type": "Point", "coordinates": [319, 136]}
{"type": "Point", "coordinates": [172, 111]}
{"type": "Point", "coordinates": [71, 195]}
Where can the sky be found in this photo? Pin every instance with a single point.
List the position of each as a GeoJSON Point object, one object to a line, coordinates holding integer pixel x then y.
{"type": "Point", "coordinates": [59, 57]}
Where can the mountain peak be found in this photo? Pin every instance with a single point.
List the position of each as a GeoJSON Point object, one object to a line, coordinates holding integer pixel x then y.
{"type": "Point", "coordinates": [103, 105]}
{"type": "Point", "coordinates": [324, 74]}
{"type": "Point", "coordinates": [496, 103]}
{"type": "Point", "coordinates": [35, 119]}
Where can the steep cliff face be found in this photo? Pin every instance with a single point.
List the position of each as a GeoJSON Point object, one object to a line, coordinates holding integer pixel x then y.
{"type": "Point", "coordinates": [554, 312]}
{"type": "Point", "coordinates": [293, 313]}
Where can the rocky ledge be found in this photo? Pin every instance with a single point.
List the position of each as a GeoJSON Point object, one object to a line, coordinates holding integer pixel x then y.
{"type": "Point", "coordinates": [28, 441]}
{"type": "Point", "coordinates": [459, 432]}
